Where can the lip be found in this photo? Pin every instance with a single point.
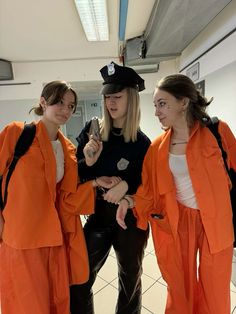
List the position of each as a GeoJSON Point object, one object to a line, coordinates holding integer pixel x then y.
{"type": "Point", "coordinates": [62, 117]}
{"type": "Point", "coordinates": [112, 110]}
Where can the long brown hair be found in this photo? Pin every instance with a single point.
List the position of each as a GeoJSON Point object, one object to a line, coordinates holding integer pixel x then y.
{"type": "Point", "coordinates": [181, 86]}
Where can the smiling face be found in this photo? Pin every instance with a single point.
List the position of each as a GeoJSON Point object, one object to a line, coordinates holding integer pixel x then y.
{"type": "Point", "coordinates": [59, 113]}
{"type": "Point", "coordinates": [117, 105]}
{"type": "Point", "coordinates": [169, 110]}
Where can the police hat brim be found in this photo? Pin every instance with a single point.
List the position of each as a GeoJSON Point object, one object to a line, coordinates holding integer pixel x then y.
{"type": "Point", "coordinates": [111, 89]}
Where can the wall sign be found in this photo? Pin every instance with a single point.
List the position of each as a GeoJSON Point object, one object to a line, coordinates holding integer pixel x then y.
{"type": "Point", "coordinates": [193, 72]}
{"type": "Point", "coordinates": [201, 87]}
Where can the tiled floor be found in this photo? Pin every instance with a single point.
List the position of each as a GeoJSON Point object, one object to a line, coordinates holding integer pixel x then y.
{"type": "Point", "coordinates": [154, 287]}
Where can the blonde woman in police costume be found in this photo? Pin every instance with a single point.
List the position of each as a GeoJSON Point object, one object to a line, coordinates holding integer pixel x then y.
{"type": "Point", "coordinates": [119, 156]}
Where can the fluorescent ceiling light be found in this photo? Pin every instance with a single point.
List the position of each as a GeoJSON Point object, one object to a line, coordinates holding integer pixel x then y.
{"type": "Point", "coordinates": [93, 16]}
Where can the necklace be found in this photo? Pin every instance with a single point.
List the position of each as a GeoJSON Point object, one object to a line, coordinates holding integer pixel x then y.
{"type": "Point", "coordinates": [176, 143]}
{"type": "Point", "coordinates": [116, 131]}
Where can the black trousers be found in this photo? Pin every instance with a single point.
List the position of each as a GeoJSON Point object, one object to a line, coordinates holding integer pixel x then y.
{"type": "Point", "coordinates": [101, 233]}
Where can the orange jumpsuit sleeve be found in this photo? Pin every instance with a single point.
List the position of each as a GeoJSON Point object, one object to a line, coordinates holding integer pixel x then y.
{"type": "Point", "coordinates": [144, 197]}
{"type": "Point", "coordinates": [8, 139]}
{"type": "Point", "coordinates": [229, 143]}
{"type": "Point", "coordinates": [82, 201]}
{"type": "Point", "coordinates": [71, 205]}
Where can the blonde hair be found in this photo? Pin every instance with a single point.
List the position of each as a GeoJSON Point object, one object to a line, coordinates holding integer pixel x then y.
{"type": "Point", "coordinates": [132, 120]}
{"type": "Point", "coordinates": [53, 92]}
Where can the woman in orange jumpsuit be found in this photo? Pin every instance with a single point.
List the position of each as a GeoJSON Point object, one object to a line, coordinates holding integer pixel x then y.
{"type": "Point", "coordinates": [42, 209]}
{"type": "Point", "coordinates": [185, 196]}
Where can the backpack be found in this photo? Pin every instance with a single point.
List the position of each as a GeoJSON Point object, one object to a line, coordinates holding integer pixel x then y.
{"type": "Point", "coordinates": [213, 127]}
{"type": "Point", "coordinates": [23, 144]}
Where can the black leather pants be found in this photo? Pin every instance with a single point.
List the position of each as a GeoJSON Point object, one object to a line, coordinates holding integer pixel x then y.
{"type": "Point", "coordinates": [101, 233]}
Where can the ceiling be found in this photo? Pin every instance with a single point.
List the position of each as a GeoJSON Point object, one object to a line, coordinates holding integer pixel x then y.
{"type": "Point", "coordinates": [49, 30]}
{"type": "Point", "coordinates": [33, 30]}
{"type": "Point", "coordinates": [172, 26]}
{"type": "Point", "coordinates": [46, 30]}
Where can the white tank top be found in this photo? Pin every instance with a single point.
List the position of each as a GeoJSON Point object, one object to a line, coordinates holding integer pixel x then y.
{"type": "Point", "coordinates": [59, 155]}
{"type": "Point", "coordinates": [184, 189]}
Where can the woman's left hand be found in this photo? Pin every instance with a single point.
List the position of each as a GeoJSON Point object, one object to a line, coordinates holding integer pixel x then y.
{"type": "Point", "coordinates": [107, 182]}
{"type": "Point", "coordinates": [115, 194]}
{"type": "Point", "coordinates": [121, 213]}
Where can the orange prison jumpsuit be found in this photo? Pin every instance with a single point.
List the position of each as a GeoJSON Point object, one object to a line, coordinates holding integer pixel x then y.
{"type": "Point", "coordinates": [33, 259]}
{"type": "Point", "coordinates": [183, 231]}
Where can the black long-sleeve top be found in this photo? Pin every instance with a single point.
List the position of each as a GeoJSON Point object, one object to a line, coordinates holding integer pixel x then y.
{"type": "Point", "coordinates": [116, 159]}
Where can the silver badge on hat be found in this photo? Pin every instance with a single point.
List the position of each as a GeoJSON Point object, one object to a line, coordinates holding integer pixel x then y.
{"type": "Point", "coordinates": [110, 69]}
{"type": "Point", "coordinates": [122, 164]}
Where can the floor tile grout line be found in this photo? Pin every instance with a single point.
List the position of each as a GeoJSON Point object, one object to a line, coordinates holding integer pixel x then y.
{"type": "Point", "coordinates": [233, 310]}
{"type": "Point", "coordinates": [150, 287]}
{"type": "Point", "coordinates": [147, 309]}
{"type": "Point", "coordinates": [101, 289]}
{"type": "Point", "coordinates": [152, 277]}
{"type": "Point", "coordinates": [160, 283]}
{"type": "Point", "coordinates": [106, 280]}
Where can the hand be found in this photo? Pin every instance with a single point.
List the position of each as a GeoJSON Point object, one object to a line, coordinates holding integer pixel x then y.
{"type": "Point", "coordinates": [107, 182]}
{"type": "Point", "coordinates": [92, 151]}
{"type": "Point", "coordinates": [121, 213]}
{"type": "Point", "coordinates": [116, 193]}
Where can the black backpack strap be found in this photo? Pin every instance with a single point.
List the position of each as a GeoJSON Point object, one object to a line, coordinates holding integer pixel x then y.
{"type": "Point", "coordinates": [1, 200]}
{"type": "Point", "coordinates": [212, 125]}
{"type": "Point", "coordinates": [24, 142]}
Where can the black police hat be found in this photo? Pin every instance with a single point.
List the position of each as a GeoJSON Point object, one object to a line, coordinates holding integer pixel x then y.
{"type": "Point", "coordinates": [117, 77]}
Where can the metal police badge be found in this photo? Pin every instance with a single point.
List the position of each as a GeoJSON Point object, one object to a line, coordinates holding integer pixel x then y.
{"type": "Point", "coordinates": [122, 164]}
{"type": "Point", "coordinates": [110, 69]}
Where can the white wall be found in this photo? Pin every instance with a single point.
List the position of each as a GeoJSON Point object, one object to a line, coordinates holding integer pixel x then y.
{"type": "Point", "coordinates": [218, 66]}
{"type": "Point", "coordinates": [15, 100]}
{"type": "Point", "coordinates": [223, 54]}
{"type": "Point", "coordinates": [149, 123]}
{"type": "Point", "coordinates": [37, 73]}
{"type": "Point", "coordinates": [17, 110]}
{"type": "Point", "coordinates": [221, 84]}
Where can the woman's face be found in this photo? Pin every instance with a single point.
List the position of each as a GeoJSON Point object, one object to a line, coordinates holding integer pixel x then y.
{"type": "Point", "coordinates": [60, 112]}
{"type": "Point", "coordinates": [117, 106]}
{"type": "Point", "coordinates": [169, 110]}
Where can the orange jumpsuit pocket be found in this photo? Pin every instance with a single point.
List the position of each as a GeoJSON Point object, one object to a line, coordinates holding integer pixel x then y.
{"type": "Point", "coordinates": [160, 221]}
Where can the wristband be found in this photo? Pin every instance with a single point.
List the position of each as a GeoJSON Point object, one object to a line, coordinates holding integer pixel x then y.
{"type": "Point", "coordinates": [128, 201]}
